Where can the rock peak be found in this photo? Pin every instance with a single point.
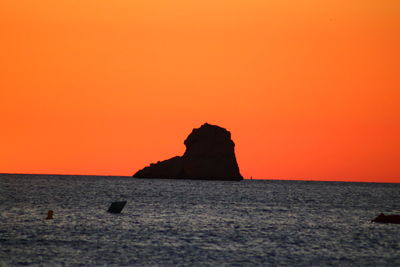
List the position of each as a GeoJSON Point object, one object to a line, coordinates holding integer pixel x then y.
{"type": "Point", "coordinates": [209, 155]}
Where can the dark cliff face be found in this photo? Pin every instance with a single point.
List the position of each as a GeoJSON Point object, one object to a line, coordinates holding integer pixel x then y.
{"type": "Point", "coordinates": [210, 154]}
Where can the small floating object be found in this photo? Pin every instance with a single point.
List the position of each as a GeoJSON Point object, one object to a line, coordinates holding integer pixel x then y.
{"type": "Point", "coordinates": [116, 207]}
{"type": "Point", "coordinates": [49, 215]}
{"type": "Point", "coordinates": [382, 218]}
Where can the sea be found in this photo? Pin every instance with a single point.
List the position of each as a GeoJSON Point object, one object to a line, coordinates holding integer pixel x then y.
{"type": "Point", "coordinates": [195, 223]}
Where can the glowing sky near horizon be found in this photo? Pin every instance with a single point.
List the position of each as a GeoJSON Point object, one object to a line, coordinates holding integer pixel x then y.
{"type": "Point", "coordinates": [309, 89]}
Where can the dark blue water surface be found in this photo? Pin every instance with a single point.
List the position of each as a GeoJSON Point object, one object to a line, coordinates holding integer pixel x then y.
{"type": "Point", "coordinates": [195, 223]}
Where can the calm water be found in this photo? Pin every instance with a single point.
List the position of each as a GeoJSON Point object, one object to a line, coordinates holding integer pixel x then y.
{"type": "Point", "coordinates": [195, 223]}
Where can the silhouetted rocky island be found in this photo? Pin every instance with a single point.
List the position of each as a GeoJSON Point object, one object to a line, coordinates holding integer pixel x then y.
{"type": "Point", "coordinates": [209, 155]}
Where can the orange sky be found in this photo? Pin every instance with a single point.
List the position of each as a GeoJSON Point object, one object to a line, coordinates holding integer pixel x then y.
{"type": "Point", "coordinates": [309, 89]}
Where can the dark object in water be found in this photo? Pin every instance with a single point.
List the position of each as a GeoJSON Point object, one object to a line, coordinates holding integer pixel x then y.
{"type": "Point", "coordinates": [116, 207]}
{"type": "Point", "coordinates": [209, 155]}
{"type": "Point", "coordinates": [382, 218]}
{"type": "Point", "coordinates": [49, 215]}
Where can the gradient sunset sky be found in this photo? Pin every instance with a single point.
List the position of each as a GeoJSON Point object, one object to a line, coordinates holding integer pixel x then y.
{"type": "Point", "coordinates": [309, 89]}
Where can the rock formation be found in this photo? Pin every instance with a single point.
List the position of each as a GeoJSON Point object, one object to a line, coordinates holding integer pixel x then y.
{"type": "Point", "coordinates": [382, 218]}
{"type": "Point", "coordinates": [209, 155]}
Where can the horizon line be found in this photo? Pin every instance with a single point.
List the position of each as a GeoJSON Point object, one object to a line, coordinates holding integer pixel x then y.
{"type": "Point", "coordinates": [263, 179]}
